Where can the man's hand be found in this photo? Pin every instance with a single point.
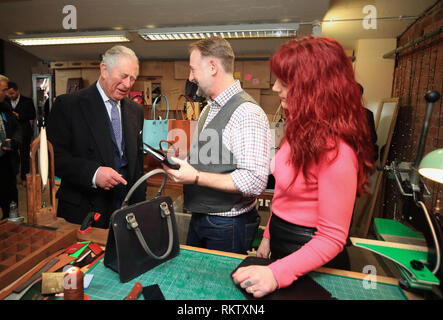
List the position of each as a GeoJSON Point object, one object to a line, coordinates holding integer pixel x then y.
{"type": "Point", "coordinates": [107, 178]}
{"type": "Point", "coordinates": [185, 175]}
{"type": "Point", "coordinates": [16, 114]}
{"type": "Point", "coordinates": [7, 145]}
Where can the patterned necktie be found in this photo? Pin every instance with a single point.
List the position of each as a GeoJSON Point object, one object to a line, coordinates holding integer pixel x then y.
{"type": "Point", "coordinates": [2, 134]}
{"type": "Point", "coordinates": [115, 121]}
{"type": "Point", "coordinates": [2, 129]}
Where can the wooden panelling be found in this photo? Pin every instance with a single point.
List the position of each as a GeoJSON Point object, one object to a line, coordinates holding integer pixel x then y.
{"type": "Point", "coordinates": [253, 74]}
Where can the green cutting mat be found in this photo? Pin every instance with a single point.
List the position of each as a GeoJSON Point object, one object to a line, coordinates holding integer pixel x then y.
{"type": "Point", "coordinates": [196, 275]}
{"type": "Point", "coordinates": [346, 288]}
{"type": "Point", "coordinates": [189, 276]}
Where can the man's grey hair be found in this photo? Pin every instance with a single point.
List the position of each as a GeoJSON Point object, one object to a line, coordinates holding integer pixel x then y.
{"type": "Point", "coordinates": [111, 55]}
{"type": "Point", "coordinates": [4, 78]}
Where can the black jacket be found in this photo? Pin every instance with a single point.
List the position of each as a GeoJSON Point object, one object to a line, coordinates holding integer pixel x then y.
{"type": "Point", "coordinates": [371, 123]}
{"type": "Point", "coordinates": [79, 130]}
{"type": "Point", "coordinates": [13, 131]}
{"type": "Point", "coordinates": [26, 111]}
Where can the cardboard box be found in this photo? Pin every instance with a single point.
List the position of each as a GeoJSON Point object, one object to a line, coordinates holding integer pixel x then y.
{"type": "Point", "coordinates": [256, 74]}
{"type": "Point", "coordinates": [59, 65]}
{"type": "Point", "coordinates": [61, 79]}
{"type": "Point", "coordinates": [270, 103]}
{"type": "Point", "coordinates": [172, 89]}
{"type": "Point", "coordinates": [156, 68]}
{"type": "Point", "coordinates": [90, 75]}
{"type": "Point", "coordinates": [238, 71]}
{"type": "Point", "coordinates": [181, 70]}
{"type": "Point", "coordinates": [254, 93]}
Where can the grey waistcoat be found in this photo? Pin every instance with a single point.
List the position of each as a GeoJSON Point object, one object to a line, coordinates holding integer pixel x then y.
{"type": "Point", "coordinates": [211, 155]}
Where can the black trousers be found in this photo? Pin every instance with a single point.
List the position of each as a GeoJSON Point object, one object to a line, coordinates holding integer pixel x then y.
{"type": "Point", "coordinates": [287, 238]}
{"type": "Point", "coordinates": [8, 187]}
{"type": "Point", "coordinates": [25, 148]}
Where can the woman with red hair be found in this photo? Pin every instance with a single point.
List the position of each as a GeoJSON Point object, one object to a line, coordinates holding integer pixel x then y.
{"type": "Point", "coordinates": [323, 162]}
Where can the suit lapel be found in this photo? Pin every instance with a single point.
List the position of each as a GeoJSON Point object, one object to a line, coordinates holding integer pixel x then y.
{"type": "Point", "coordinates": [94, 111]}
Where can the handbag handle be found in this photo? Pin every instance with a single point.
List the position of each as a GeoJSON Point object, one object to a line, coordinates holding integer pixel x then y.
{"type": "Point", "coordinates": [155, 102]}
{"type": "Point", "coordinates": [178, 107]}
{"type": "Point", "coordinates": [141, 180]}
{"type": "Point", "coordinates": [170, 144]}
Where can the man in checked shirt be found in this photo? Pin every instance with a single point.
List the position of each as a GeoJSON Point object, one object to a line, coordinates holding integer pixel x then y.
{"type": "Point", "coordinates": [228, 163]}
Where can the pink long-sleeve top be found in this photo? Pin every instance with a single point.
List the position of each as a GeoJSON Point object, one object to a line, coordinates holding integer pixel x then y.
{"type": "Point", "coordinates": [325, 203]}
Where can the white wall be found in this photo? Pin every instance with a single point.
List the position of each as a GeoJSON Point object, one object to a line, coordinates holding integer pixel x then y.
{"type": "Point", "coordinates": [374, 72]}
{"type": "Point", "coordinates": [18, 67]}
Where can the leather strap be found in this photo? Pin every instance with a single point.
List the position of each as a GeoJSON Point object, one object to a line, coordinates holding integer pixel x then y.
{"type": "Point", "coordinates": [178, 106]}
{"type": "Point", "coordinates": [154, 104]}
{"type": "Point", "coordinates": [135, 292]}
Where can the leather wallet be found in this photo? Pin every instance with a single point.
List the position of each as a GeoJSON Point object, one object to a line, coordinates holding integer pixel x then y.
{"type": "Point", "coordinates": [153, 292]}
{"type": "Point", "coordinates": [304, 288]}
{"type": "Point", "coordinates": [161, 156]}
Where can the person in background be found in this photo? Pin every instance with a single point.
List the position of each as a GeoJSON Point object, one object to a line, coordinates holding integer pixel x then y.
{"type": "Point", "coordinates": [324, 160]}
{"type": "Point", "coordinates": [228, 169]}
{"type": "Point", "coordinates": [371, 123]}
{"type": "Point", "coordinates": [23, 108]}
{"type": "Point", "coordinates": [10, 139]}
{"type": "Point", "coordinates": [97, 135]}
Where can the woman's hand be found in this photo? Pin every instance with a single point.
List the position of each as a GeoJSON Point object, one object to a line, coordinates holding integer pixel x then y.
{"type": "Point", "coordinates": [264, 250]}
{"type": "Point", "coordinates": [257, 280]}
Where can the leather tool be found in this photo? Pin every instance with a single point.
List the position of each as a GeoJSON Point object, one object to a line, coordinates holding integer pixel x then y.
{"type": "Point", "coordinates": [27, 276]}
{"type": "Point", "coordinates": [89, 220]}
{"type": "Point", "coordinates": [135, 292]}
{"type": "Point", "coordinates": [84, 259]}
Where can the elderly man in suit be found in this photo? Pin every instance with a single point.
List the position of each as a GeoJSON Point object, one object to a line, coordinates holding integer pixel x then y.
{"type": "Point", "coordinates": [23, 108]}
{"type": "Point", "coordinates": [97, 138]}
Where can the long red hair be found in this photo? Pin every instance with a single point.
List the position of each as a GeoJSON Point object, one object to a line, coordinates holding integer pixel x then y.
{"type": "Point", "coordinates": [324, 104]}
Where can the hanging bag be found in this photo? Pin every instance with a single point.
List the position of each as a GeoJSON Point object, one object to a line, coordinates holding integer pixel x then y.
{"type": "Point", "coordinates": [180, 131]}
{"type": "Point", "coordinates": [156, 129]}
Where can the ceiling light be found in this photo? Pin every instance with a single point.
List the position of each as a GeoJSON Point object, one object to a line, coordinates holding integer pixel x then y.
{"type": "Point", "coordinates": [285, 30]}
{"type": "Point", "coordinates": [70, 38]}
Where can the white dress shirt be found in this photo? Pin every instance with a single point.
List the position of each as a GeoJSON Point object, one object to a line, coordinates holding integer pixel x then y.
{"type": "Point", "coordinates": [108, 109]}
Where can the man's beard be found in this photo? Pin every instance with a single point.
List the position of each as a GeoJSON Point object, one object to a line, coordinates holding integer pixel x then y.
{"type": "Point", "coordinates": [201, 92]}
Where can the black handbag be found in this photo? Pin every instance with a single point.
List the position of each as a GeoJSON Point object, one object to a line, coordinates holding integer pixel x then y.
{"type": "Point", "coordinates": [142, 235]}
